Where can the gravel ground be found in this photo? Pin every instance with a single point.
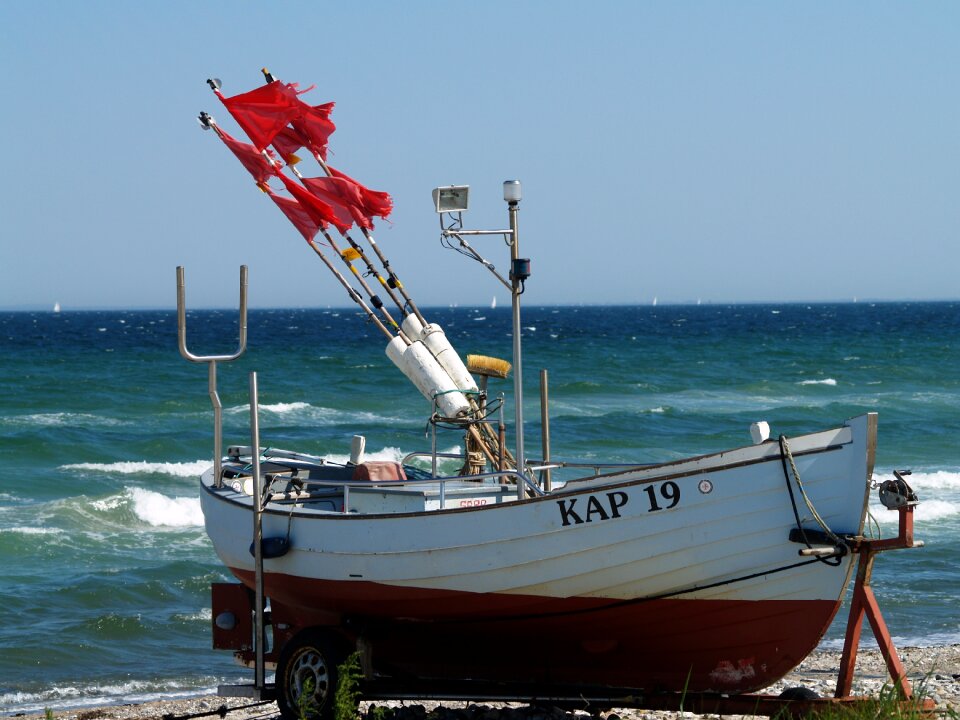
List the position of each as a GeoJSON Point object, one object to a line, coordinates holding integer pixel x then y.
{"type": "Point", "coordinates": [935, 672]}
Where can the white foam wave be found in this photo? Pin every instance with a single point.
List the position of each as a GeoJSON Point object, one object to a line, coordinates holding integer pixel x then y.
{"type": "Point", "coordinates": [142, 467]}
{"type": "Point", "coordinates": [930, 510]}
{"type": "Point", "coordinates": [826, 381]}
{"type": "Point", "coordinates": [936, 480]}
{"type": "Point", "coordinates": [305, 413]}
{"type": "Point", "coordinates": [65, 697]}
{"type": "Point", "coordinates": [61, 419]}
{"type": "Point", "coordinates": [32, 530]}
{"type": "Point", "coordinates": [933, 640]}
{"type": "Point", "coordinates": [159, 510]}
{"type": "Point", "coordinates": [281, 408]}
{"type": "Point", "coordinates": [392, 454]}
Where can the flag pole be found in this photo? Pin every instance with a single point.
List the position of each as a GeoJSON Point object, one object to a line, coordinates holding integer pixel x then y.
{"type": "Point", "coordinates": [208, 122]}
{"type": "Point", "coordinates": [374, 298]}
{"type": "Point", "coordinates": [318, 216]}
{"type": "Point", "coordinates": [392, 280]}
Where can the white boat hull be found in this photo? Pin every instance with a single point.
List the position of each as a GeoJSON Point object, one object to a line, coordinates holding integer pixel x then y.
{"type": "Point", "coordinates": [669, 576]}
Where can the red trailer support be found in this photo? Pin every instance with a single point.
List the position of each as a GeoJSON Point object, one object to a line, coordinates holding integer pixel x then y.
{"type": "Point", "coordinates": [865, 603]}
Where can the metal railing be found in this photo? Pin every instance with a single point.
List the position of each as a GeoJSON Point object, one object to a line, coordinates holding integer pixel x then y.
{"type": "Point", "coordinates": [212, 360]}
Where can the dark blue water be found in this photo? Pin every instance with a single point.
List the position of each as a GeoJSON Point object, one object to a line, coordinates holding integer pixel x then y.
{"type": "Point", "coordinates": [104, 428]}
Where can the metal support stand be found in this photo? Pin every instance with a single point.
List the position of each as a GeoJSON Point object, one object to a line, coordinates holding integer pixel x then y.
{"type": "Point", "coordinates": [864, 602]}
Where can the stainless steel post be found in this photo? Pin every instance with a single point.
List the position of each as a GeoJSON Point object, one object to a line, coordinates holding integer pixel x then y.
{"type": "Point", "coordinates": [259, 670]}
{"type": "Point", "coordinates": [517, 360]}
{"type": "Point", "coordinates": [545, 428]}
{"type": "Point", "coordinates": [217, 424]}
{"type": "Point", "coordinates": [212, 360]}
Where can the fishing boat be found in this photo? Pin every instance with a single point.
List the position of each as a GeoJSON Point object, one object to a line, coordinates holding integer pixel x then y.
{"type": "Point", "coordinates": [717, 573]}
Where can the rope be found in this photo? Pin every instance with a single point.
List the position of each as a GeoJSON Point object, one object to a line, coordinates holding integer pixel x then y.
{"type": "Point", "coordinates": [785, 457]}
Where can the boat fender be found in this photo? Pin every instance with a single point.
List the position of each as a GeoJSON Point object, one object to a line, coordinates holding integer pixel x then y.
{"type": "Point", "coordinates": [438, 344]}
{"type": "Point", "coordinates": [272, 547]}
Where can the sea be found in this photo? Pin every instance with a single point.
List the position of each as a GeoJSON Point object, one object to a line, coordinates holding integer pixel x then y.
{"type": "Point", "coordinates": [105, 567]}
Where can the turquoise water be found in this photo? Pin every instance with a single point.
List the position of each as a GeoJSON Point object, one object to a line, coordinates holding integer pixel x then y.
{"type": "Point", "coordinates": [104, 428]}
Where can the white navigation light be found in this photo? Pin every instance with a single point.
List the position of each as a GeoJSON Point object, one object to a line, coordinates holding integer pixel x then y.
{"type": "Point", "coordinates": [451, 198]}
{"type": "Point", "coordinates": [511, 191]}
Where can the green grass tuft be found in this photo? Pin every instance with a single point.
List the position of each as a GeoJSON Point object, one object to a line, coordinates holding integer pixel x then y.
{"type": "Point", "coordinates": [347, 697]}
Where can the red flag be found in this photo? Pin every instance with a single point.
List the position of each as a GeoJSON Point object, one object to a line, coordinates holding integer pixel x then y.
{"type": "Point", "coordinates": [364, 204]}
{"type": "Point", "coordinates": [316, 126]}
{"type": "Point", "coordinates": [252, 160]}
{"type": "Point", "coordinates": [296, 214]}
{"type": "Point", "coordinates": [287, 142]}
{"type": "Point", "coordinates": [344, 210]}
{"type": "Point", "coordinates": [320, 211]}
{"type": "Point", "coordinates": [312, 130]}
{"type": "Point", "coordinates": [375, 203]}
{"type": "Point", "coordinates": [264, 112]}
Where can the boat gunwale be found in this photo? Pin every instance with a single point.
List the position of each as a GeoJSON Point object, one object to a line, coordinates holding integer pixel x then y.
{"type": "Point", "coordinates": [246, 501]}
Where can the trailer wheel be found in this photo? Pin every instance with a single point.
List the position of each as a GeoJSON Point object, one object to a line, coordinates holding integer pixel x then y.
{"type": "Point", "coordinates": [799, 694]}
{"type": "Point", "coordinates": [307, 676]}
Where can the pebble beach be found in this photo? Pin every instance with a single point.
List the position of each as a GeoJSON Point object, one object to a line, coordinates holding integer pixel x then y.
{"type": "Point", "coordinates": [933, 671]}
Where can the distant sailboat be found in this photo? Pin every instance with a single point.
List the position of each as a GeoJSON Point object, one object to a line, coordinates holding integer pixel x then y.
{"type": "Point", "coordinates": [56, 307]}
{"type": "Point", "coordinates": [654, 300]}
{"type": "Point", "coordinates": [493, 303]}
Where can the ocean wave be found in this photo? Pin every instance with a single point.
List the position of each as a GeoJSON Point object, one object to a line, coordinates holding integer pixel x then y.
{"type": "Point", "coordinates": [61, 419]}
{"type": "Point", "coordinates": [936, 480]}
{"type": "Point", "coordinates": [826, 381]}
{"type": "Point", "coordinates": [932, 640]}
{"type": "Point", "coordinates": [65, 697]}
{"type": "Point", "coordinates": [281, 408]}
{"type": "Point", "coordinates": [27, 530]}
{"type": "Point", "coordinates": [930, 510]}
{"type": "Point", "coordinates": [159, 510]}
{"type": "Point", "coordinates": [143, 467]}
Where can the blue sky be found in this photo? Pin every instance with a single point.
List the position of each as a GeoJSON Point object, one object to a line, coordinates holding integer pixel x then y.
{"type": "Point", "coordinates": [728, 152]}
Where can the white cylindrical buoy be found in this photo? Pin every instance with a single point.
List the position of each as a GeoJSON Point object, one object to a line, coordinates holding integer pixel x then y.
{"type": "Point", "coordinates": [438, 344]}
{"type": "Point", "coordinates": [433, 381]}
{"type": "Point", "coordinates": [423, 370]}
{"type": "Point", "coordinates": [412, 327]}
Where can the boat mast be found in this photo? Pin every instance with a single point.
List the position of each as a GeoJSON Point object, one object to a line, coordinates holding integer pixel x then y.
{"type": "Point", "coordinates": [452, 201]}
{"type": "Point", "coordinates": [519, 272]}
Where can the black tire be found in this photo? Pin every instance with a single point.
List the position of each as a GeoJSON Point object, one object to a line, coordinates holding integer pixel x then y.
{"type": "Point", "coordinates": [799, 693]}
{"type": "Point", "coordinates": [311, 657]}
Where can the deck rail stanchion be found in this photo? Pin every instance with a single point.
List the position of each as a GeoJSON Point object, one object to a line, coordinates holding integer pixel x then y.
{"type": "Point", "coordinates": [212, 361]}
{"type": "Point", "coordinates": [545, 429]}
{"type": "Point", "coordinates": [259, 666]}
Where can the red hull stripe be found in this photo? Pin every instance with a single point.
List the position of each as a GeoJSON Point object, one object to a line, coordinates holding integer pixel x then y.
{"type": "Point", "coordinates": [664, 644]}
